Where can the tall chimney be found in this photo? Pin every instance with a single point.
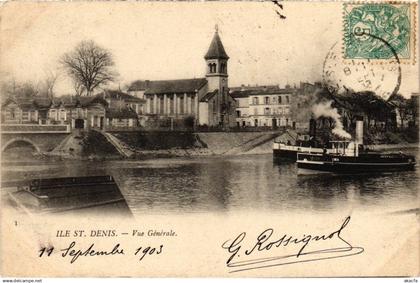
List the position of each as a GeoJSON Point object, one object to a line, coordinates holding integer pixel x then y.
{"type": "Point", "coordinates": [359, 132]}
{"type": "Point", "coordinates": [312, 130]}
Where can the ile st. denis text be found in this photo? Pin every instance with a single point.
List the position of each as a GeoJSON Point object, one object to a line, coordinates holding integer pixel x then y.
{"type": "Point", "coordinates": [115, 233]}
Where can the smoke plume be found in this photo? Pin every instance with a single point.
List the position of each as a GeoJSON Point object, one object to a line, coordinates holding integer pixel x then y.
{"type": "Point", "coordinates": [325, 109]}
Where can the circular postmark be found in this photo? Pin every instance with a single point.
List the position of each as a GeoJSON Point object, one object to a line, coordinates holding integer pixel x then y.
{"type": "Point", "coordinates": [358, 76]}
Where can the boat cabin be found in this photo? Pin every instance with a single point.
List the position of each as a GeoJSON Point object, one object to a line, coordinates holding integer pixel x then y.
{"type": "Point", "coordinates": [345, 148]}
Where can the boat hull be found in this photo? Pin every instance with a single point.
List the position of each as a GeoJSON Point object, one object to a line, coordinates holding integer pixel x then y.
{"type": "Point", "coordinates": [286, 155]}
{"type": "Point", "coordinates": [350, 164]}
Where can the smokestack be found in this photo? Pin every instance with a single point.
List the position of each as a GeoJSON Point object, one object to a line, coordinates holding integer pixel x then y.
{"type": "Point", "coordinates": [312, 131]}
{"type": "Point", "coordinates": [312, 127]}
{"type": "Point", "coordinates": [359, 132]}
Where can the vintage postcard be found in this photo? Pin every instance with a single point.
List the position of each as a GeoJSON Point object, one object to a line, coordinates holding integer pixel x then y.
{"type": "Point", "coordinates": [209, 139]}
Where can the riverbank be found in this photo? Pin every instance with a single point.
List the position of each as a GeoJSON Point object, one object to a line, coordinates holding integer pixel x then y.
{"type": "Point", "coordinates": [148, 145]}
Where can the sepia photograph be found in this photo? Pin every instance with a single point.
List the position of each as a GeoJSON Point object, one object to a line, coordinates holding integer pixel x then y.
{"type": "Point", "coordinates": [209, 139]}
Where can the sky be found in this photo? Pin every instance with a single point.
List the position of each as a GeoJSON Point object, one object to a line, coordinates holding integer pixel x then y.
{"type": "Point", "coordinates": [156, 41]}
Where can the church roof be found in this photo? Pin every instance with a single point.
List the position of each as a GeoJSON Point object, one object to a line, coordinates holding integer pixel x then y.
{"type": "Point", "coordinates": [119, 95]}
{"type": "Point", "coordinates": [216, 49]}
{"type": "Point", "coordinates": [209, 95]}
{"type": "Point", "coordinates": [169, 86]}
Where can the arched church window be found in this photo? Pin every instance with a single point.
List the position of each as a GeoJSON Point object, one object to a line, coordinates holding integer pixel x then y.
{"type": "Point", "coordinates": [223, 68]}
{"type": "Point", "coordinates": [214, 68]}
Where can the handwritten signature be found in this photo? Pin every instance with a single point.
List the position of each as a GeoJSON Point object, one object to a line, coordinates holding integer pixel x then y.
{"type": "Point", "coordinates": [265, 242]}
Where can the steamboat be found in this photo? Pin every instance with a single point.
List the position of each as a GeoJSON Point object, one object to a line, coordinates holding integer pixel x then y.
{"type": "Point", "coordinates": [288, 149]}
{"type": "Point", "coordinates": [348, 157]}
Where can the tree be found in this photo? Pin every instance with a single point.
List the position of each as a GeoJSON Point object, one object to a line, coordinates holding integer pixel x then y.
{"type": "Point", "coordinates": [402, 106]}
{"type": "Point", "coordinates": [89, 65]}
{"type": "Point", "coordinates": [49, 83]}
{"type": "Point", "coordinates": [46, 85]}
{"type": "Point", "coordinates": [12, 88]}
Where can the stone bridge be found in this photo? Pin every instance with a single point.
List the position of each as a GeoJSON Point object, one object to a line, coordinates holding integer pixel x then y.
{"type": "Point", "coordinates": [42, 138]}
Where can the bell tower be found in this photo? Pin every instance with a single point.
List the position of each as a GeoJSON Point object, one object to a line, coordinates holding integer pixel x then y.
{"type": "Point", "coordinates": [216, 65]}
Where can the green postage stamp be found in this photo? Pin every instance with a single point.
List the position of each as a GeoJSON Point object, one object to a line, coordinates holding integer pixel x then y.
{"type": "Point", "coordinates": [381, 31]}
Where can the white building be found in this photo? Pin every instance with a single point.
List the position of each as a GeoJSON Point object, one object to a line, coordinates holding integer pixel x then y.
{"type": "Point", "coordinates": [263, 106]}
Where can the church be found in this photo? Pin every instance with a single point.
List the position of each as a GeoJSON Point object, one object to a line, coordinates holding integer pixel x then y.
{"type": "Point", "coordinates": [206, 100]}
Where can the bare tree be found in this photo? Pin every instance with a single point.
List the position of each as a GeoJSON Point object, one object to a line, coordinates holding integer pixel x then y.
{"type": "Point", "coordinates": [46, 85]}
{"type": "Point", "coordinates": [49, 83]}
{"type": "Point", "coordinates": [89, 65]}
{"type": "Point", "coordinates": [12, 88]}
{"type": "Point", "coordinates": [79, 89]}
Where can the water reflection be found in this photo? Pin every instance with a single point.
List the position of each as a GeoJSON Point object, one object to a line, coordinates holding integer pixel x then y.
{"type": "Point", "coordinates": [220, 184]}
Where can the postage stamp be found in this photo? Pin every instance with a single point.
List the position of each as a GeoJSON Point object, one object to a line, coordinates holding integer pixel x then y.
{"type": "Point", "coordinates": [380, 31]}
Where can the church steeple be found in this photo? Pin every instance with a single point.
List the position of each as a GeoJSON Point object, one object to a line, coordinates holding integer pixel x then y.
{"type": "Point", "coordinates": [216, 49]}
{"type": "Point", "coordinates": [216, 63]}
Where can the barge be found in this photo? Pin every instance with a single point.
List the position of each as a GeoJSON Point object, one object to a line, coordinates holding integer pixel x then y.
{"type": "Point", "coordinates": [69, 194]}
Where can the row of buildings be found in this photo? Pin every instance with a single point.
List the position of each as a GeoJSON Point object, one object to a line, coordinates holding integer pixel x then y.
{"type": "Point", "coordinates": [205, 102]}
{"type": "Point", "coordinates": [109, 109]}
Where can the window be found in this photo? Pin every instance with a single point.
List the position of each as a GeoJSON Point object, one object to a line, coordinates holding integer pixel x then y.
{"type": "Point", "coordinates": [181, 105]}
{"type": "Point", "coordinates": [192, 105]}
{"type": "Point", "coordinates": [212, 67]}
{"type": "Point", "coordinates": [62, 114]}
{"type": "Point", "coordinates": [214, 107]}
{"type": "Point", "coordinates": [13, 113]}
{"type": "Point", "coordinates": [53, 114]}
{"type": "Point", "coordinates": [287, 99]}
{"type": "Point", "coordinates": [151, 104]}
{"type": "Point", "coordinates": [171, 105]}
{"type": "Point", "coordinates": [238, 113]}
{"type": "Point", "coordinates": [279, 99]}
{"type": "Point", "coordinates": [267, 111]}
{"type": "Point", "coordinates": [223, 68]}
{"type": "Point", "coordinates": [162, 105]}
{"type": "Point", "coordinates": [255, 100]}
{"type": "Point", "coordinates": [267, 100]}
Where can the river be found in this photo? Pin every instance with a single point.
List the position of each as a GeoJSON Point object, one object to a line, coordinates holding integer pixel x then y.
{"type": "Point", "coordinates": [232, 184]}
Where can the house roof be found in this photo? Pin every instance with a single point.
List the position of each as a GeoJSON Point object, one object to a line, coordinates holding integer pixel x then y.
{"type": "Point", "coordinates": [263, 90]}
{"type": "Point", "coordinates": [216, 49]}
{"type": "Point", "coordinates": [74, 101]}
{"type": "Point", "coordinates": [119, 95]}
{"type": "Point", "coordinates": [169, 86]}
{"type": "Point", "coordinates": [123, 113]}
{"type": "Point", "coordinates": [27, 103]}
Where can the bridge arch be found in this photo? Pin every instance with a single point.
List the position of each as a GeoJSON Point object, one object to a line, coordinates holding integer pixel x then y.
{"type": "Point", "coordinates": [16, 140]}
